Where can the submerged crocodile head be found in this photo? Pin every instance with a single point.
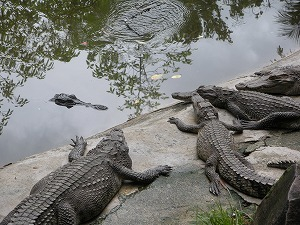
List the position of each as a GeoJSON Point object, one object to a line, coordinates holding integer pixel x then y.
{"type": "Point", "coordinates": [218, 96]}
{"type": "Point", "coordinates": [280, 80]}
{"type": "Point", "coordinates": [64, 100]}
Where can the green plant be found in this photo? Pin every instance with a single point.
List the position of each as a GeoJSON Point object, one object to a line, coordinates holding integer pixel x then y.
{"type": "Point", "coordinates": [222, 216]}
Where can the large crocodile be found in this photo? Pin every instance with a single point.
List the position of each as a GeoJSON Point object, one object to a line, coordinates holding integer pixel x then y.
{"type": "Point", "coordinates": [279, 80]}
{"type": "Point", "coordinates": [80, 190]}
{"type": "Point", "coordinates": [69, 101]}
{"type": "Point", "coordinates": [256, 110]}
{"type": "Point", "coordinates": [215, 146]}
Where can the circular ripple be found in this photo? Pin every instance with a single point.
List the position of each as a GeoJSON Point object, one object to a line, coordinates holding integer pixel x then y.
{"type": "Point", "coordinates": [146, 19]}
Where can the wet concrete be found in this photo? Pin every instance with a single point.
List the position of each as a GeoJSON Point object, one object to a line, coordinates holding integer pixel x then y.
{"type": "Point", "coordinates": [152, 141]}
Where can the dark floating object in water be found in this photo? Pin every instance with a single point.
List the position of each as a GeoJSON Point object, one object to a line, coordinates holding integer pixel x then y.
{"type": "Point", "coordinates": [70, 100]}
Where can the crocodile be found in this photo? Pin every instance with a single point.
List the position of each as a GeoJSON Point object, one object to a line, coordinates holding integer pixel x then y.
{"type": "Point", "coordinates": [78, 191]}
{"type": "Point", "coordinates": [145, 20]}
{"type": "Point", "coordinates": [279, 80]}
{"type": "Point", "coordinates": [215, 146]}
{"type": "Point", "coordinates": [69, 101]}
{"type": "Point", "coordinates": [254, 109]}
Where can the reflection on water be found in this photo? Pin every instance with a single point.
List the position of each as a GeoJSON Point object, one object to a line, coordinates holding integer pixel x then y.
{"type": "Point", "coordinates": [289, 17]}
{"type": "Point", "coordinates": [145, 38]}
{"type": "Point", "coordinates": [111, 50]}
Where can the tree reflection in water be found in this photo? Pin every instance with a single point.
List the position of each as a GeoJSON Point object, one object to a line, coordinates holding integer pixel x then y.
{"type": "Point", "coordinates": [128, 63]}
{"type": "Point", "coordinates": [35, 33]}
{"type": "Point", "coordinates": [289, 18]}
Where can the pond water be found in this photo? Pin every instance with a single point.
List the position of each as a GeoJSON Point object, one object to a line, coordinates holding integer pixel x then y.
{"type": "Point", "coordinates": [128, 55]}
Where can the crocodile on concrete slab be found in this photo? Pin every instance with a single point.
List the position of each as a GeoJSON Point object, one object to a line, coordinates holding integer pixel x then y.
{"type": "Point", "coordinates": [69, 101]}
{"type": "Point", "coordinates": [279, 80]}
{"type": "Point", "coordinates": [78, 191]}
{"type": "Point", "coordinates": [215, 146]}
{"type": "Point", "coordinates": [256, 110]}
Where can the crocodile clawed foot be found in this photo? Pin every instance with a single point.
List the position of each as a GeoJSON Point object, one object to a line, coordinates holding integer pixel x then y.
{"type": "Point", "coordinates": [238, 128]}
{"type": "Point", "coordinates": [172, 120]}
{"type": "Point", "coordinates": [74, 141]}
{"type": "Point", "coordinates": [164, 170]}
{"type": "Point", "coordinates": [78, 141]}
{"type": "Point", "coordinates": [248, 124]}
{"type": "Point", "coordinates": [214, 187]}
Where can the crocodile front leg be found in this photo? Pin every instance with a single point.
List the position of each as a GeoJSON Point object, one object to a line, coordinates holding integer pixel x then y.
{"type": "Point", "coordinates": [145, 177]}
{"type": "Point", "coordinates": [185, 127]}
{"type": "Point", "coordinates": [271, 120]}
{"type": "Point", "coordinates": [79, 145]}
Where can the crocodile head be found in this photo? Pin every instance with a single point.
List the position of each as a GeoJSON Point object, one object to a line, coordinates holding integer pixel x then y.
{"type": "Point", "coordinates": [276, 81]}
{"type": "Point", "coordinates": [64, 100]}
{"type": "Point", "coordinates": [115, 146]}
{"type": "Point", "coordinates": [203, 108]}
{"type": "Point", "coordinates": [218, 96]}
{"type": "Point", "coordinates": [184, 96]}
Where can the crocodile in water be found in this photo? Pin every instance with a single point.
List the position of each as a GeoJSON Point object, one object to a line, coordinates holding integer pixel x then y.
{"type": "Point", "coordinates": [69, 101]}
{"type": "Point", "coordinates": [145, 20]}
{"type": "Point", "coordinates": [256, 110]}
{"type": "Point", "coordinates": [215, 146]}
{"type": "Point", "coordinates": [80, 190]}
{"type": "Point", "coordinates": [279, 80]}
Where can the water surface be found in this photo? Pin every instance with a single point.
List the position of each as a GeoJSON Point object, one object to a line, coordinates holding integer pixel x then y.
{"type": "Point", "coordinates": [122, 54]}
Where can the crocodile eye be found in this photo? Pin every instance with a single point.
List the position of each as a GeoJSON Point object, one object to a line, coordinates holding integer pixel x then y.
{"type": "Point", "coordinates": [274, 77]}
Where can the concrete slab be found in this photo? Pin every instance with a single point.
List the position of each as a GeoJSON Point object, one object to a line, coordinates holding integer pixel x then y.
{"type": "Point", "coordinates": [152, 141]}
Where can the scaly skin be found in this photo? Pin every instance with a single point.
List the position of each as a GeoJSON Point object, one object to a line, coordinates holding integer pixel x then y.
{"type": "Point", "coordinates": [80, 190]}
{"type": "Point", "coordinates": [279, 80]}
{"type": "Point", "coordinates": [256, 110]}
{"type": "Point", "coordinates": [215, 146]}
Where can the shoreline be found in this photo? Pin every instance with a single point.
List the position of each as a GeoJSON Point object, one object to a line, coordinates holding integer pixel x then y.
{"type": "Point", "coordinates": [152, 141]}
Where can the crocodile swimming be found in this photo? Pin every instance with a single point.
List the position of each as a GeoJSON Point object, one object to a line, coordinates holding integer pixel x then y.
{"type": "Point", "coordinates": [254, 109]}
{"type": "Point", "coordinates": [215, 146]}
{"type": "Point", "coordinates": [78, 191]}
{"type": "Point", "coordinates": [69, 101]}
{"type": "Point", "coordinates": [145, 20]}
{"type": "Point", "coordinates": [279, 80]}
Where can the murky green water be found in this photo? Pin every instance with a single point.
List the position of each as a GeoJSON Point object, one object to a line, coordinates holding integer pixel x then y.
{"type": "Point", "coordinates": [128, 55]}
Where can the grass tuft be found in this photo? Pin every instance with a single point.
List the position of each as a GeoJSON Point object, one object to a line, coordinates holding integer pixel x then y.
{"type": "Point", "coordinates": [220, 216]}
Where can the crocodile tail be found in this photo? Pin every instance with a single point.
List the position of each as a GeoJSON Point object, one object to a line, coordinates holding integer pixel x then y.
{"type": "Point", "coordinates": [282, 164]}
{"type": "Point", "coordinates": [255, 185]}
{"type": "Point", "coordinates": [97, 107]}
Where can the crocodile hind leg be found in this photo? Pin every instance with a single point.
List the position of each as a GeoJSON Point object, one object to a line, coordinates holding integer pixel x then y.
{"type": "Point", "coordinates": [236, 126]}
{"type": "Point", "coordinates": [66, 214]}
{"type": "Point", "coordinates": [271, 121]}
{"type": "Point", "coordinates": [214, 178]}
{"type": "Point", "coordinates": [145, 177]}
{"type": "Point", "coordinates": [236, 111]}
